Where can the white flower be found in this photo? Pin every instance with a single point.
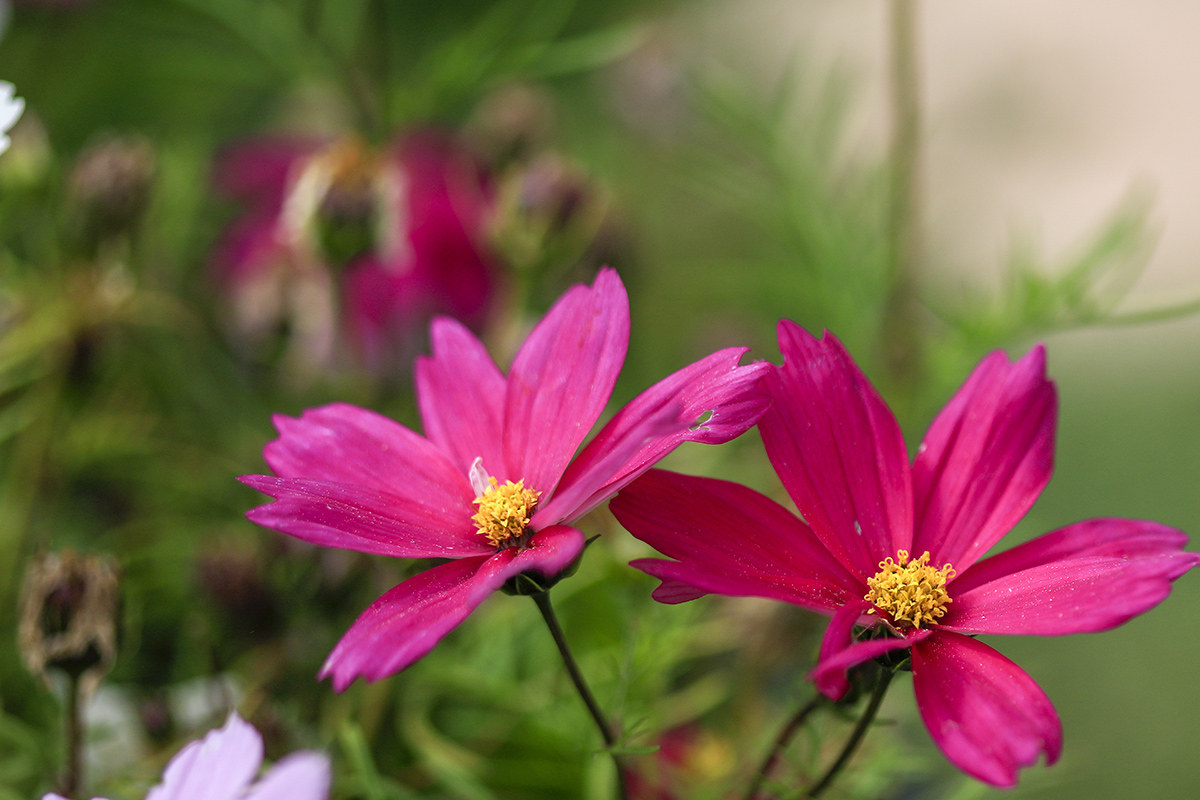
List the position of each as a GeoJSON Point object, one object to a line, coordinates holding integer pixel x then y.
{"type": "Point", "coordinates": [10, 111]}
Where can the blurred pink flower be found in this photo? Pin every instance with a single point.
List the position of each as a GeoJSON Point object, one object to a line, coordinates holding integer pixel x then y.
{"type": "Point", "coordinates": [222, 765]}
{"type": "Point", "coordinates": [895, 548]}
{"type": "Point", "coordinates": [383, 240]}
{"type": "Point", "coordinates": [493, 481]}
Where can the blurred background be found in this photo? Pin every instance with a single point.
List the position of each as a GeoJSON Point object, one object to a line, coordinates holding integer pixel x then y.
{"type": "Point", "coordinates": [217, 210]}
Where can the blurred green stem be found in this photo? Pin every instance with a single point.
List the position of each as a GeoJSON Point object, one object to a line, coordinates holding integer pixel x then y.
{"type": "Point", "coordinates": [26, 464]}
{"type": "Point", "coordinates": [781, 741]}
{"type": "Point", "coordinates": [610, 740]}
{"type": "Point", "coordinates": [72, 779]}
{"type": "Point", "coordinates": [901, 343]}
{"type": "Point", "coordinates": [856, 736]}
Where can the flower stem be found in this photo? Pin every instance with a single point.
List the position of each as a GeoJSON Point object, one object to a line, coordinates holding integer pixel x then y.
{"type": "Point", "coordinates": [606, 732]}
{"type": "Point", "coordinates": [900, 336]}
{"type": "Point", "coordinates": [72, 778]}
{"type": "Point", "coordinates": [856, 735]}
{"type": "Point", "coordinates": [781, 741]}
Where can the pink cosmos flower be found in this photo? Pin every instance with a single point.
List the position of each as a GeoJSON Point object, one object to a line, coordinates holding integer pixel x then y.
{"type": "Point", "coordinates": [222, 765]}
{"type": "Point", "coordinates": [407, 224]}
{"type": "Point", "coordinates": [895, 548]}
{"type": "Point", "coordinates": [493, 481]}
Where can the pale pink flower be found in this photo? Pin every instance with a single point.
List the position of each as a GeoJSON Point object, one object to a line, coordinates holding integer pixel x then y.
{"type": "Point", "coordinates": [224, 764]}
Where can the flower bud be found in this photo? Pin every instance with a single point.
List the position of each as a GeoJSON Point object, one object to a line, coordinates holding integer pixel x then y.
{"type": "Point", "coordinates": [110, 184]}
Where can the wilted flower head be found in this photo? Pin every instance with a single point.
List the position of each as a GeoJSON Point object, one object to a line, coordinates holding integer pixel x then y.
{"type": "Point", "coordinates": [69, 606]}
{"type": "Point", "coordinates": [496, 478]}
{"type": "Point", "coordinates": [893, 550]}
{"type": "Point", "coordinates": [382, 239]}
{"type": "Point", "coordinates": [224, 764]}
{"type": "Point", "coordinates": [10, 111]}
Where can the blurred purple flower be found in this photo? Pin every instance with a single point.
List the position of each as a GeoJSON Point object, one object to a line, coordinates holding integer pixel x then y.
{"type": "Point", "coordinates": [987, 456]}
{"type": "Point", "coordinates": [495, 479]}
{"type": "Point", "coordinates": [383, 240]}
{"type": "Point", "coordinates": [222, 765]}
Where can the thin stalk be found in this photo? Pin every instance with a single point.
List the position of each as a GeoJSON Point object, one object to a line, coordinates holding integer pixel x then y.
{"type": "Point", "coordinates": [72, 779]}
{"type": "Point", "coordinates": [589, 700]}
{"type": "Point", "coordinates": [781, 741]}
{"type": "Point", "coordinates": [901, 342]}
{"type": "Point", "coordinates": [860, 730]}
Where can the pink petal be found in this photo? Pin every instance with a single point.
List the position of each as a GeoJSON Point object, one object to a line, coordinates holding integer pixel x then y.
{"type": "Point", "coordinates": [985, 459]}
{"type": "Point", "coordinates": [218, 767]}
{"type": "Point", "coordinates": [840, 653]}
{"type": "Point", "coordinates": [838, 450]}
{"type": "Point", "coordinates": [1086, 577]}
{"type": "Point", "coordinates": [575, 499]}
{"type": "Point", "coordinates": [384, 310]}
{"type": "Point", "coordinates": [444, 218]}
{"type": "Point", "coordinates": [249, 249]}
{"type": "Point", "coordinates": [743, 541]}
{"type": "Point", "coordinates": [984, 712]}
{"type": "Point", "coordinates": [686, 580]}
{"type": "Point", "coordinates": [715, 384]}
{"type": "Point", "coordinates": [461, 395]}
{"type": "Point", "coordinates": [347, 444]}
{"type": "Point", "coordinates": [408, 621]}
{"type": "Point", "coordinates": [261, 169]}
{"type": "Point", "coordinates": [300, 776]}
{"type": "Point", "coordinates": [360, 518]}
{"type": "Point", "coordinates": [562, 378]}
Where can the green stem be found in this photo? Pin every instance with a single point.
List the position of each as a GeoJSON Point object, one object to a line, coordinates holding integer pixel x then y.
{"type": "Point", "coordinates": [901, 343]}
{"type": "Point", "coordinates": [72, 779]}
{"type": "Point", "coordinates": [589, 700]}
{"type": "Point", "coordinates": [781, 741]}
{"type": "Point", "coordinates": [860, 730]}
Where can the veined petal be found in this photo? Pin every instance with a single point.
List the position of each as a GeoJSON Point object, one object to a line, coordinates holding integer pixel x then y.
{"type": "Point", "coordinates": [576, 498]}
{"type": "Point", "coordinates": [300, 776]}
{"type": "Point", "coordinates": [346, 444]}
{"type": "Point", "coordinates": [725, 528]}
{"type": "Point", "coordinates": [461, 394]}
{"type": "Point", "coordinates": [715, 384]}
{"type": "Point", "coordinates": [562, 378]}
{"type": "Point", "coordinates": [408, 621]}
{"type": "Point", "coordinates": [687, 580]}
{"type": "Point", "coordinates": [359, 518]}
{"type": "Point", "coordinates": [1086, 577]}
{"type": "Point", "coordinates": [982, 710]}
{"type": "Point", "coordinates": [840, 653]}
{"type": "Point", "coordinates": [218, 767]}
{"type": "Point", "coordinates": [838, 450]}
{"type": "Point", "coordinates": [985, 459]}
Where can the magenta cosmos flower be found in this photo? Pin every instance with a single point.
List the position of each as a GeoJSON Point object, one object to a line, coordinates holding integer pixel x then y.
{"type": "Point", "coordinates": [222, 765]}
{"type": "Point", "coordinates": [382, 240]}
{"type": "Point", "coordinates": [894, 549]}
{"type": "Point", "coordinates": [493, 480]}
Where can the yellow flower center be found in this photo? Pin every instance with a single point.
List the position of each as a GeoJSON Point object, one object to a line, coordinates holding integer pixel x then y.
{"type": "Point", "coordinates": [912, 592]}
{"type": "Point", "coordinates": [504, 511]}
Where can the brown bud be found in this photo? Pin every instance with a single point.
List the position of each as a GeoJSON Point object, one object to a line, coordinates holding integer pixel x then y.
{"type": "Point", "coordinates": [547, 214]}
{"type": "Point", "coordinates": [68, 615]}
{"type": "Point", "coordinates": [110, 183]}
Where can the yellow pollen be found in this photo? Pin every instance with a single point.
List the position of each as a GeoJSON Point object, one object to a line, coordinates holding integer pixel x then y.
{"type": "Point", "coordinates": [504, 511]}
{"type": "Point", "coordinates": [912, 592]}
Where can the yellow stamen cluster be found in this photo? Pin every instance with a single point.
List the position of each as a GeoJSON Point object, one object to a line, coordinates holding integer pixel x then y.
{"type": "Point", "coordinates": [912, 592]}
{"type": "Point", "coordinates": [504, 511]}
